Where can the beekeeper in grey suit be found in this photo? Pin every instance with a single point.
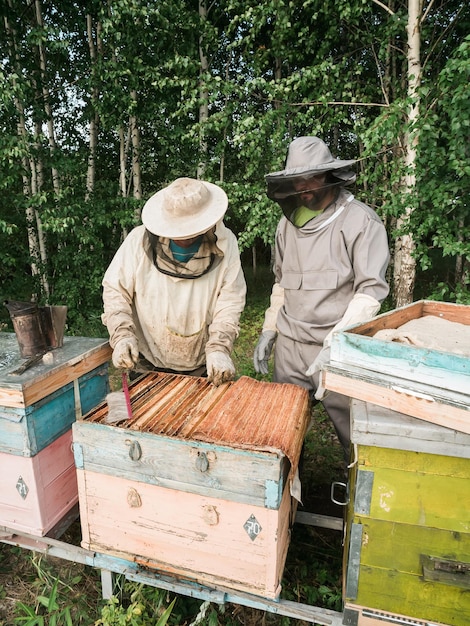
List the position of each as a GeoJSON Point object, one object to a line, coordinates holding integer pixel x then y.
{"type": "Point", "coordinates": [175, 289]}
{"type": "Point", "coordinates": [331, 256]}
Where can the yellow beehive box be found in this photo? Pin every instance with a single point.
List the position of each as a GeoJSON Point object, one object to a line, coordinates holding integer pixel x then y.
{"type": "Point", "coordinates": [408, 522]}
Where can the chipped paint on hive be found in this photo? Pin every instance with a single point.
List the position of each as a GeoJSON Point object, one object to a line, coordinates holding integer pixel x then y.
{"type": "Point", "coordinates": [246, 413]}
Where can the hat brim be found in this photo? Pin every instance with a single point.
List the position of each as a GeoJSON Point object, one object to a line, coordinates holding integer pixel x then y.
{"type": "Point", "coordinates": [156, 221]}
{"type": "Point", "coordinates": [312, 170]}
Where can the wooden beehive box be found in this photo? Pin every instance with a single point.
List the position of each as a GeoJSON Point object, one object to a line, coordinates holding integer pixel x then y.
{"type": "Point", "coordinates": [198, 483]}
{"type": "Point", "coordinates": [408, 523]}
{"type": "Point", "coordinates": [39, 405]}
{"type": "Point", "coordinates": [37, 492]}
{"type": "Point", "coordinates": [424, 381]}
{"type": "Point", "coordinates": [38, 483]}
{"type": "Point", "coordinates": [355, 615]}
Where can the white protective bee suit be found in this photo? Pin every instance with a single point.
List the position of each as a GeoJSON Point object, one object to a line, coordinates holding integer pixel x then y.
{"type": "Point", "coordinates": [178, 315]}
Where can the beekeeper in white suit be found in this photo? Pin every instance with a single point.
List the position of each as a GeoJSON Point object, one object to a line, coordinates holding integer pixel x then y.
{"type": "Point", "coordinates": [331, 256]}
{"type": "Point", "coordinates": [174, 291]}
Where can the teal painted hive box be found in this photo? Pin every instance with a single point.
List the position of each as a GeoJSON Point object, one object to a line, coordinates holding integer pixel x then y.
{"type": "Point", "coordinates": [407, 549]}
{"type": "Point", "coordinates": [41, 404]}
{"type": "Point", "coordinates": [424, 375]}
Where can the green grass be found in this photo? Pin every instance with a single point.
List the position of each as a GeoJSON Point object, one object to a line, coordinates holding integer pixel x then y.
{"type": "Point", "coordinates": [251, 321]}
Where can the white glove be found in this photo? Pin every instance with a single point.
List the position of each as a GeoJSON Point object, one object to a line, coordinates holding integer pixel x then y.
{"type": "Point", "coordinates": [220, 367]}
{"type": "Point", "coordinates": [126, 353]}
{"type": "Point", "coordinates": [361, 308]}
{"type": "Point", "coordinates": [263, 351]}
{"type": "Point", "coordinates": [323, 358]}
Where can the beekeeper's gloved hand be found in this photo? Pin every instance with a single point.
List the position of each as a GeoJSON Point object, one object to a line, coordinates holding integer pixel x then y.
{"type": "Point", "coordinates": [220, 367]}
{"type": "Point", "coordinates": [126, 353]}
{"type": "Point", "coordinates": [323, 358]}
{"type": "Point", "coordinates": [361, 308]}
{"type": "Point", "coordinates": [263, 351]}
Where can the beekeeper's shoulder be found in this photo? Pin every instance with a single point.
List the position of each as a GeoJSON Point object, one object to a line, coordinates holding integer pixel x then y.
{"type": "Point", "coordinates": [135, 238]}
{"type": "Point", "coordinates": [367, 212]}
{"type": "Point", "coordinates": [226, 239]}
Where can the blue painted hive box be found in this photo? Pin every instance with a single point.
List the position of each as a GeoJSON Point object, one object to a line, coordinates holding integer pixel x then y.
{"type": "Point", "coordinates": [40, 405]}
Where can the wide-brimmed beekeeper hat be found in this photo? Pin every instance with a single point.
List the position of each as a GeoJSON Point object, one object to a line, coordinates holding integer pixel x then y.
{"type": "Point", "coordinates": [184, 209]}
{"type": "Point", "coordinates": [309, 156]}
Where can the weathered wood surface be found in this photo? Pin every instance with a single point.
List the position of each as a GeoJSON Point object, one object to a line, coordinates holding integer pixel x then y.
{"type": "Point", "coordinates": [450, 410]}
{"type": "Point", "coordinates": [37, 492]}
{"type": "Point", "coordinates": [426, 383]}
{"type": "Point", "coordinates": [196, 537]}
{"type": "Point", "coordinates": [191, 466]}
{"type": "Point", "coordinates": [245, 413]}
{"type": "Point", "coordinates": [197, 483]}
{"type": "Point", "coordinates": [76, 357]}
{"type": "Point", "coordinates": [132, 571]}
{"type": "Point", "coordinates": [241, 440]}
{"type": "Point", "coordinates": [26, 431]}
{"type": "Point", "coordinates": [396, 318]}
{"type": "Point", "coordinates": [390, 574]}
{"type": "Point", "coordinates": [375, 425]}
{"type": "Point", "coordinates": [406, 594]}
{"type": "Point", "coordinates": [401, 546]}
{"type": "Point", "coordinates": [365, 616]}
{"type": "Point", "coordinates": [409, 509]}
{"type": "Point", "coordinates": [418, 489]}
{"type": "Point", "coordinates": [445, 371]}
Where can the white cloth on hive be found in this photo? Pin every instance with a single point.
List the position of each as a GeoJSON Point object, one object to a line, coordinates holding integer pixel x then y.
{"type": "Point", "coordinates": [431, 332]}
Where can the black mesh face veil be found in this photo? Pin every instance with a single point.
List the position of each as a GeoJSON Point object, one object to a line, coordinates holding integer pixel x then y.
{"type": "Point", "coordinates": [283, 191]}
{"type": "Point", "coordinates": [206, 258]}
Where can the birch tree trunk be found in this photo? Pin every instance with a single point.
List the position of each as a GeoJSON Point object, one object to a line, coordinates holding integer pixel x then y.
{"type": "Point", "coordinates": [136, 170]}
{"type": "Point", "coordinates": [405, 264]}
{"type": "Point", "coordinates": [224, 139]}
{"type": "Point", "coordinates": [203, 93]}
{"type": "Point", "coordinates": [29, 174]}
{"type": "Point", "coordinates": [94, 48]}
{"type": "Point", "coordinates": [123, 143]}
{"type": "Point", "coordinates": [37, 182]}
{"type": "Point", "coordinates": [46, 100]}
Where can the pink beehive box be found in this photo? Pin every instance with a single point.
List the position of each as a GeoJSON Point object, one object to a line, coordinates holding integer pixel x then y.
{"type": "Point", "coordinates": [198, 483]}
{"type": "Point", "coordinates": [37, 492]}
{"type": "Point", "coordinates": [38, 483]}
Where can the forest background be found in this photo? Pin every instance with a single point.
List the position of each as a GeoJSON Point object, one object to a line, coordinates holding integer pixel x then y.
{"type": "Point", "coordinates": [105, 102]}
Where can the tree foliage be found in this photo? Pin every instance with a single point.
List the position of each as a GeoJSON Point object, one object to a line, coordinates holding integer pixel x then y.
{"type": "Point", "coordinates": [101, 107]}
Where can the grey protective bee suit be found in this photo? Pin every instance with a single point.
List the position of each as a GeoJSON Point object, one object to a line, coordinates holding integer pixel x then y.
{"type": "Point", "coordinates": [329, 273]}
{"type": "Point", "coordinates": [317, 274]}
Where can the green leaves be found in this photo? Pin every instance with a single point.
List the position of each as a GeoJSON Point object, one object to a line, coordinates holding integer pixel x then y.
{"type": "Point", "coordinates": [275, 70]}
{"type": "Point", "coordinates": [50, 610]}
{"type": "Point", "coordinates": [147, 605]}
